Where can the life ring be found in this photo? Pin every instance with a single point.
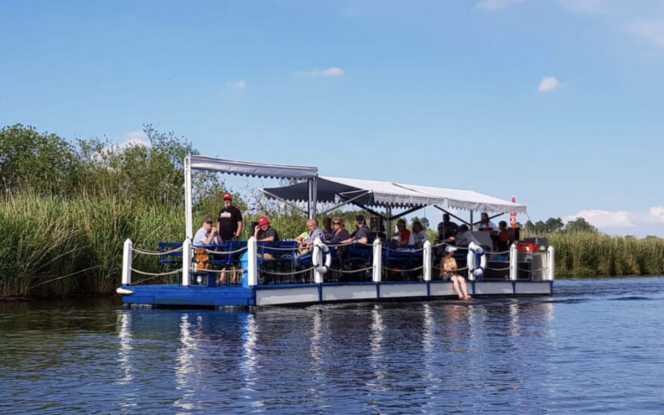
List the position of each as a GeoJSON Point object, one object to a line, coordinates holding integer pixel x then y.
{"type": "Point", "coordinates": [317, 259]}
{"type": "Point", "coordinates": [475, 251]}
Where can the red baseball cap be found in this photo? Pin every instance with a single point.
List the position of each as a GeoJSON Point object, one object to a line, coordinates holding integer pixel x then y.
{"type": "Point", "coordinates": [227, 196]}
{"type": "Point", "coordinates": [263, 221]}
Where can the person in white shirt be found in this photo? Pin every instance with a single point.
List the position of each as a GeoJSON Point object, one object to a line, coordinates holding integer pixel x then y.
{"type": "Point", "coordinates": [486, 224]}
{"type": "Point", "coordinates": [418, 236]}
{"type": "Point", "coordinates": [464, 237]}
{"type": "Point", "coordinates": [205, 235]}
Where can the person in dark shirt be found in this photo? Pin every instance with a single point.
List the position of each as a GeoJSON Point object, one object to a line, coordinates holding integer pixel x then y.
{"type": "Point", "coordinates": [362, 234]}
{"type": "Point", "coordinates": [447, 228]}
{"type": "Point", "coordinates": [229, 220]}
{"type": "Point", "coordinates": [264, 232]}
{"type": "Point", "coordinates": [339, 233]}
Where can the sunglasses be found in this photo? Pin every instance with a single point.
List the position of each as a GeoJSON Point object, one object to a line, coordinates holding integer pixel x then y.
{"type": "Point", "coordinates": [336, 223]}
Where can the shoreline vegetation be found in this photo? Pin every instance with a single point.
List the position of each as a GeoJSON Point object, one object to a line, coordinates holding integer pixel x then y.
{"type": "Point", "coordinates": [68, 208]}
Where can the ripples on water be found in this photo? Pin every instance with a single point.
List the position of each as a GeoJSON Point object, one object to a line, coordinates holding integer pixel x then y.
{"type": "Point", "coordinates": [596, 346]}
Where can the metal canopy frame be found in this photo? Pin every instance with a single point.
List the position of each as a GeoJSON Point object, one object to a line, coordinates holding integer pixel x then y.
{"type": "Point", "coordinates": [241, 168]}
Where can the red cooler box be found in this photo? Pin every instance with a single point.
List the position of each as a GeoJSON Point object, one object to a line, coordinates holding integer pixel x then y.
{"type": "Point", "coordinates": [522, 247]}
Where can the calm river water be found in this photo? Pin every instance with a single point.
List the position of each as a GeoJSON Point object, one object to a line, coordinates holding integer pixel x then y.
{"type": "Point", "coordinates": [596, 346]}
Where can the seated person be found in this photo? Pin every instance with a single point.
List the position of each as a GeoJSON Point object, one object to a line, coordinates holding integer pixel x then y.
{"type": "Point", "coordinates": [463, 238]}
{"type": "Point", "coordinates": [402, 237]}
{"type": "Point", "coordinates": [204, 236]}
{"type": "Point", "coordinates": [306, 242]}
{"type": "Point", "coordinates": [448, 268]}
{"type": "Point", "coordinates": [486, 224]}
{"type": "Point", "coordinates": [419, 235]}
{"type": "Point", "coordinates": [328, 230]}
{"type": "Point", "coordinates": [265, 233]}
{"type": "Point", "coordinates": [362, 234]}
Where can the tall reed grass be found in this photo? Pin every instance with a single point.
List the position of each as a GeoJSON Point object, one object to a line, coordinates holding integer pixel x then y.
{"type": "Point", "coordinates": [594, 254]}
{"type": "Point", "coordinates": [56, 247]}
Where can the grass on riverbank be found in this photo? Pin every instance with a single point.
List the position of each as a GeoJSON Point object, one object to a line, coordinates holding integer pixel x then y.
{"type": "Point", "coordinates": [56, 247]}
{"type": "Point", "coordinates": [594, 254]}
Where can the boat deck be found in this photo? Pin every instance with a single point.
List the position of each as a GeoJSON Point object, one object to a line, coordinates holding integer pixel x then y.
{"type": "Point", "coordinates": [175, 295]}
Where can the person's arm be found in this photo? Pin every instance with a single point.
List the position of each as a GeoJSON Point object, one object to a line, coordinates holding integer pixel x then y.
{"type": "Point", "coordinates": [210, 239]}
{"type": "Point", "coordinates": [239, 229]}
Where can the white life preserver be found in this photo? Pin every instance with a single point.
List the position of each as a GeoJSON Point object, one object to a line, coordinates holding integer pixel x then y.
{"type": "Point", "coordinates": [474, 251]}
{"type": "Point", "coordinates": [317, 261]}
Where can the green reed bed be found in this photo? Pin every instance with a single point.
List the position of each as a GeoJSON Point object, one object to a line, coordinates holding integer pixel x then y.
{"type": "Point", "coordinates": [594, 254]}
{"type": "Point", "coordinates": [56, 247]}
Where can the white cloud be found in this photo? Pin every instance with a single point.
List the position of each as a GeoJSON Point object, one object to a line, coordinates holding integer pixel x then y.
{"type": "Point", "coordinates": [586, 6]}
{"type": "Point", "coordinates": [326, 73]}
{"type": "Point", "coordinates": [651, 30]}
{"type": "Point", "coordinates": [491, 5]}
{"type": "Point", "coordinates": [236, 86]}
{"type": "Point", "coordinates": [135, 138]}
{"type": "Point", "coordinates": [621, 219]}
{"type": "Point", "coordinates": [549, 84]}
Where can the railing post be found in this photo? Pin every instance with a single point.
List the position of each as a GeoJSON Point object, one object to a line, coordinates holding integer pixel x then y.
{"type": "Point", "coordinates": [426, 257]}
{"type": "Point", "coordinates": [252, 262]}
{"type": "Point", "coordinates": [127, 253]}
{"type": "Point", "coordinates": [551, 263]}
{"type": "Point", "coordinates": [513, 262]}
{"type": "Point", "coordinates": [318, 276]}
{"type": "Point", "coordinates": [377, 260]}
{"type": "Point", "coordinates": [186, 262]}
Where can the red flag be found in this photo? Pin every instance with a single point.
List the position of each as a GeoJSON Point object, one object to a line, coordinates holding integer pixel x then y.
{"type": "Point", "coordinates": [513, 215]}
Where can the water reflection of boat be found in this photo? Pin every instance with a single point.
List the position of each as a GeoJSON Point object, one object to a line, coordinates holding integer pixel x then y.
{"type": "Point", "coordinates": [358, 272]}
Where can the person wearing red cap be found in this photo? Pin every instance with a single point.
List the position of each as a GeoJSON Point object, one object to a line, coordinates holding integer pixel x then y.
{"type": "Point", "coordinates": [229, 221]}
{"type": "Point", "coordinates": [264, 232]}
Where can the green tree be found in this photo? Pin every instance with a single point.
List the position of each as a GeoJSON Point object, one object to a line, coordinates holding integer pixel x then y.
{"type": "Point", "coordinates": [580, 225]}
{"type": "Point", "coordinates": [40, 161]}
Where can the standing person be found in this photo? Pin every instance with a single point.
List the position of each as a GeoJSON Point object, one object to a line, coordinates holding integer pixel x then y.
{"type": "Point", "coordinates": [448, 268]}
{"type": "Point", "coordinates": [447, 228]}
{"type": "Point", "coordinates": [486, 224]}
{"type": "Point", "coordinates": [229, 221]}
{"type": "Point", "coordinates": [503, 242]}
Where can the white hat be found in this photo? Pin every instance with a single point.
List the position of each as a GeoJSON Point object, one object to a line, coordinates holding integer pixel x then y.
{"type": "Point", "coordinates": [450, 248]}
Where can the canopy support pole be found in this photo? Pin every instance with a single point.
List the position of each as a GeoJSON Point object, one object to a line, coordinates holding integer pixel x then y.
{"type": "Point", "coordinates": [388, 212]}
{"type": "Point", "coordinates": [294, 206]}
{"type": "Point", "coordinates": [187, 199]}
{"type": "Point", "coordinates": [345, 202]}
{"type": "Point", "coordinates": [407, 212]}
{"type": "Point", "coordinates": [313, 192]}
{"type": "Point", "coordinates": [451, 214]}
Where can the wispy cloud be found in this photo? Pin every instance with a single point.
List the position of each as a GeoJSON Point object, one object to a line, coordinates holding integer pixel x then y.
{"type": "Point", "coordinates": [549, 84]}
{"type": "Point", "coordinates": [492, 5]}
{"type": "Point", "coordinates": [586, 6]}
{"type": "Point", "coordinates": [621, 219]}
{"type": "Point", "coordinates": [651, 30]}
{"type": "Point", "coordinates": [135, 138]}
{"type": "Point", "coordinates": [236, 86]}
{"type": "Point", "coordinates": [325, 73]}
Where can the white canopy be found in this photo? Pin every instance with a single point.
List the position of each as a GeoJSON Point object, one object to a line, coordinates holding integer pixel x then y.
{"type": "Point", "coordinates": [244, 168]}
{"type": "Point", "coordinates": [375, 193]}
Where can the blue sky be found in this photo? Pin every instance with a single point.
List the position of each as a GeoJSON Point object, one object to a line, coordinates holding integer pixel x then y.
{"type": "Point", "coordinates": [558, 102]}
